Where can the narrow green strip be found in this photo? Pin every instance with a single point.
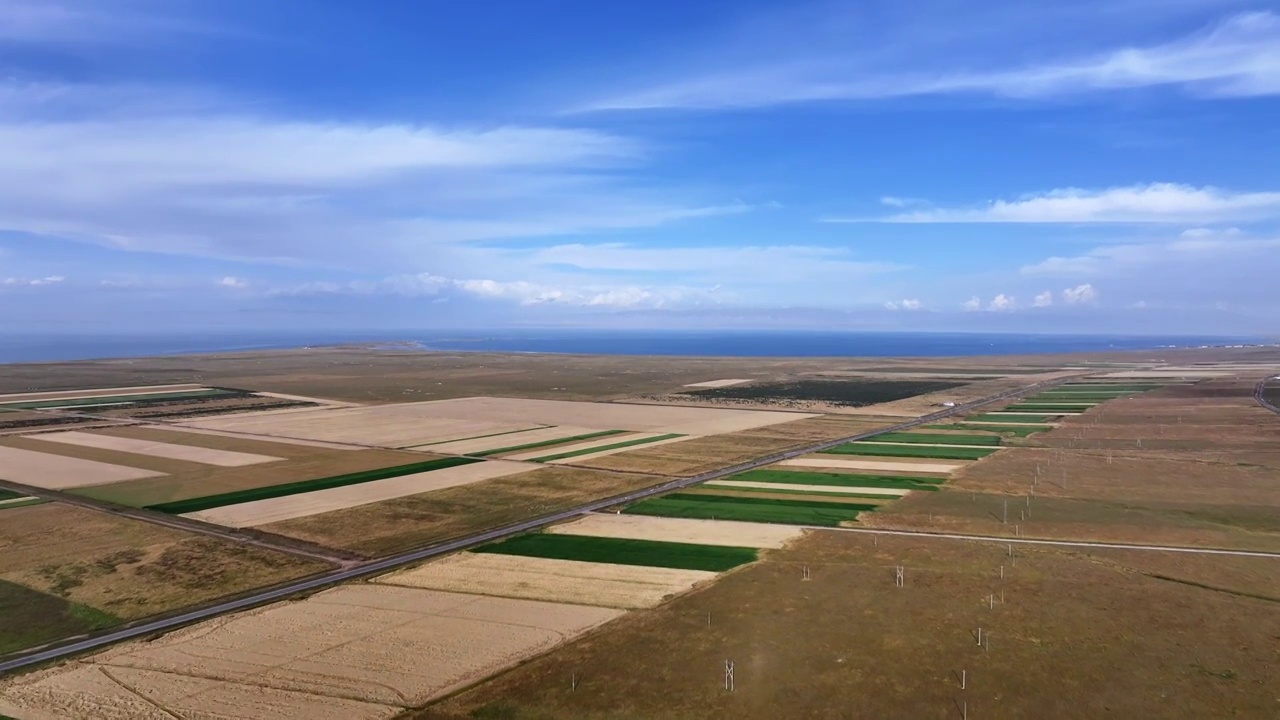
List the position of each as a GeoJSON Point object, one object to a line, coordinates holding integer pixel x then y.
{"type": "Point", "coordinates": [750, 509]}
{"type": "Point", "coordinates": [1008, 417]}
{"type": "Point", "coordinates": [481, 437]}
{"type": "Point", "coordinates": [937, 439]}
{"type": "Point", "coordinates": [897, 482]}
{"type": "Point", "coordinates": [547, 443]}
{"type": "Point", "coordinates": [305, 486]}
{"type": "Point", "coordinates": [1015, 430]}
{"type": "Point", "coordinates": [920, 451]}
{"type": "Point", "coordinates": [782, 489]}
{"type": "Point", "coordinates": [23, 503]}
{"type": "Point", "coordinates": [602, 448]}
{"type": "Point", "coordinates": [619, 551]}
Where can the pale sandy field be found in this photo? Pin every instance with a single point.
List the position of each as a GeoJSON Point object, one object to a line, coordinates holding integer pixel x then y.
{"type": "Point", "coordinates": [878, 465]}
{"type": "Point", "coordinates": [303, 398]}
{"type": "Point", "coordinates": [356, 651]}
{"type": "Point", "coordinates": [14, 501]}
{"type": "Point", "coordinates": [583, 445]}
{"type": "Point", "coordinates": [262, 512]}
{"type": "Point", "coordinates": [1166, 373]}
{"type": "Point", "coordinates": [615, 451]}
{"type": "Point", "coordinates": [260, 438]}
{"type": "Point", "coordinates": [412, 424]}
{"type": "Point", "coordinates": [570, 581]}
{"type": "Point", "coordinates": [57, 472]}
{"type": "Point", "coordinates": [494, 442]}
{"type": "Point", "coordinates": [698, 532]}
{"type": "Point", "coordinates": [832, 489]}
{"type": "Point", "coordinates": [190, 453]}
{"type": "Point", "coordinates": [98, 392]}
{"type": "Point", "coordinates": [727, 382]}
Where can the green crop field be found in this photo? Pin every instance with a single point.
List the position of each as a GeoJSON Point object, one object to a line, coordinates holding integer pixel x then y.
{"type": "Point", "coordinates": [547, 443]}
{"type": "Point", "coordinates": [23, 503]}
{"type": "Point", "coordinates": [29, 618]}
{"type": "Point", "coordinates": [1046, 408]}
{"type": "Point", "coordinates": [1014, 430]}
{"type": "Point", "coordinates": [1110, 387]}
{"type": "Point", "coordinates": [602, 448]}
{"type": "Point", "coordinates": [305, 486]}
{"type": "Point", "coordinates": [1074, 397]}
{"type": "Point", "coordinates": [899, 482]}
{"type": "Point", "coordinates": [162, 397]}
{"type": "Point", "coordinates": [748, 509]}
{"type": "Point", "coordinates": [1012, 418]}
{"type": "Point", "coordinates": [9, 494]}
{"type": "Point", "coordinates": [618, 551]}
{"type": "Point", "coordinates": [937, 439]}
{"type": "Point", "coordinates": [923, 451]}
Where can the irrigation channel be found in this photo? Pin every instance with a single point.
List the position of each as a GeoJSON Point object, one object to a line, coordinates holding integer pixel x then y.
{"type": "Point", "coordinates": [375, 567]}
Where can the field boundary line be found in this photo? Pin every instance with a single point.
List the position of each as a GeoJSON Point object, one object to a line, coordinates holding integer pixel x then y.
{"type": "Point", "coordinates": [1260, 394]}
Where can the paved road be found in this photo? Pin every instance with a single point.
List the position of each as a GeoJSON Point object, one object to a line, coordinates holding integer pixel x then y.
{"type": "Point", "coordinates": [376, 567]}
{"type": "Point", "coordinates": [1260, 394]}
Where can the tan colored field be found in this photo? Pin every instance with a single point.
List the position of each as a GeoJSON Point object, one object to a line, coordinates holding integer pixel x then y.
{"type": "Point", "coordinates": [785, 487]}
{"type": "Point", "coordinates": [583, 583]}
{"type": "Point", "coordinates": [583, 445]}
{"type": "Point", "coordinates": [99, 392]}
{"type": "Point", "coordinates": [698, 532]}
{"type": "Point", "coordinates": [262, 512]}
{"type": "Point", "coordinates": [129, 568]}
{"type": "Point", "coordinates": [1169, 373]}
{"type": "Point", "coordinates": [590, 457]}
{"type": "Point", "coordinates": [190, 453]}
{"type": "Point", "coordinates": [274, 439]}
{"type": "Point", "coordinates": [903, 465]}
{"type": "Point", "coordinates": [416, 520]}
{"type": "Point", "coordinates": [346, 648]}
{"type": "Point", "coordinates": [412, 424]}
{"type": "Point", "coordinates": [728, 382]}
{"type": "Point", "coordinates": [56, 472]}
{"type": "Point", "coordinates": [494, 442]}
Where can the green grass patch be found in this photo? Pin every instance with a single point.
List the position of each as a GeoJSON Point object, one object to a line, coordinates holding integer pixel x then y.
{"type": "Point", "coordinates": [766, 510]}
{"type": "Point", "coordinates": [937, 439]}
{"type": "Point", "coordinates": [941, 453]}
{"type": "Point", "coordinates": [29, 618]}
{"type": "Point", "coordinates": [305, 486]}
{"type": "Point", "coordinates": [10, 494]}
{"type": "Point", "coordinates": [619, 551]}
{"type": "Point", "coordinates": [547, 443]}
{"type": "Point", "coordinates": [1014, 430]}
{"type": "Point", "coordinates": [88, 402]}
{"type": "Point", "coordinates": [1010, 418]}
{"type": "Point", "coordinates": [23, 503]}
{"type": "Point", "coordinates": [602, 448]}
{"type": "Point", "coordinates": [900, 482]}
{"type": "Point", "coordinates": [788, 490]}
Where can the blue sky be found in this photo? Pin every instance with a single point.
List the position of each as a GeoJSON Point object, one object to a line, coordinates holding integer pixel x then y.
{"type": "Point", "coordinates": [1099, 165]}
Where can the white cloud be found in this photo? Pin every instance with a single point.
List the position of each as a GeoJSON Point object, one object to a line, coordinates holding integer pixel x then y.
{"type": "Point", "coordinates": [1044, 299]}
{"type": "Point", "coordinates": [908, 305]}
{"type": "Point", "coordinates": [1154, 203]}
{"type": "Point", "coordinates": [1002, 303]}
{"type": "Point", "coordinates": [233, 282]}
{"type": "Point", "coordinates": [1080, 295]}
{"type": "Point", "coordinates": [34, 282]}
{"type": "Point", "coordinates": [973, 304]}
{"type": "Point", "coordinates": [1239, 56]}
{"type": "Point", "coordinates": [1129, 258]}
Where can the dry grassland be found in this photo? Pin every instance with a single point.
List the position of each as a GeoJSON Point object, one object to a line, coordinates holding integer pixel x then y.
{"type": "Point", "coordinates": [626, 587]}
{"type": "Point", "coordinates": [128, 568]}
{"type": "Point", "coordinates": [395, 525]}
{"type": "Point", "coordinates": [345, 648]}
{"type": "Point", "coordinates": [272, 510]}
{"type": "Point", "coordinates": [1077, 636]}
{"type": "Point", "coordinates": [905, 465]}
{"type": "Point", "coordinates": [698, 532]}
{"type": "Point", "coordinates": [189, 453]}
{"type": "Point", "coordinates": [56, 472]}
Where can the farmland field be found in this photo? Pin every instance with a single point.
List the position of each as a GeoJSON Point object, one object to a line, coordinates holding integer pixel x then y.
{"type": "Point", "coordinates": [295, 488]}
{"type": "Point", "coordinates": [750, 509]}
{"type": "Point", "coordinates": [925, 451]}
{"type": "Point", "coordinates": [546, 443]}
{"type": "Point", "coordinates": [1002, 417]}
{"type": "Point", "coordinates": [703, 532]}
{"type": "Point", "coordinates": [9, 494]}
{"type": "Point", "coordinates": [1014, 430]}
{"type": "Point", "coordinates": [850, 393]}
{"type": "Point", "coordinates": [146, 399]}
{"type": "Point", "coordinates": [606, 448]}
{"type": "Point", "coordinates": [29, 618]}
{"type": "Point", "coordinates": [1047, 408]}
{"type": "Point", "coordinates": [938, 438]}
{"type": "Point", "coordinates": [839, 479]}
{"type": "Point", "coordinates": [621, 551]}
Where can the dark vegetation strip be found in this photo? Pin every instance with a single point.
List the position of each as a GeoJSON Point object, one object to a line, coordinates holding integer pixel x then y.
{"type": "Point", "coordinates": [140, 399]}
{"type": "Point", "coordinates": [788, 490]}
{"type": "Point", "coordinates": [23, 503]}
{"type": "Point", "coordinates": [547, 443]}
{"type": "Point", "coordinates": [481, 437]}
{"type": "Point", "coordinates": [746, 509]}
{"type": "Point", "coordinates": [1033, 407]}
{"type": "Point", "coordinates": [9, 494]}
{"type": "Point", "coordinates": [1014, 430]}
{"type": "Point", "coordinates": [939, 439]}
{"type": "Point", "coordinates": [900, 482]}
{"type": "Point", "coordinates": [29, 617]}
{"type": "Point", "coordinates": [1006, 417]}
{"type": "Point", "coordinates": [305, 486]}
{"type": "Point", "coordinates": [1109, 387]}
{"type": "Point", "coordinates": [619, 551]}
{"type": "Point", "coordinates": [851, 392]}
{"type": "Point", "coordinates": [602, 448]}
{"type": "Point", "coordinates": [1203, 586]}
{"type": "Point", "coordinates": [870, 448]}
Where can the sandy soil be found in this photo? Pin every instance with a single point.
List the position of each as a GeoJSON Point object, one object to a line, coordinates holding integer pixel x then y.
{"type": "Point", "coordinates": [583, 583]}
{"type": "Point", "coordinates": [189, 453]}
{"type": "Point", "coordinates": [699, 532]}
{"type": "Point", "coordinates": [56, 472]}
{"type": "Point", "coordinates": [832, 489]}
{"type": "Point", "coordinates": [411, 424]}
{"type": "Point", "coordinates": [260, 438]}
{"type": "Point", "coordinates": [728, 382]}
{"type": "Point", "coordinates": [99, 392]}
{"type": "Point", "coordinates": [493, 442]}
{"type": "Point", "coordinates": [262, 512]}
{"type": "Point", "coordinates": [880, 466]}
{"type": "Point", "coordinates": [584, 445]}
{"type": "Point", "coordinates": [329, 656]}
{"type": "Point", "coordinates": [606, 453]}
